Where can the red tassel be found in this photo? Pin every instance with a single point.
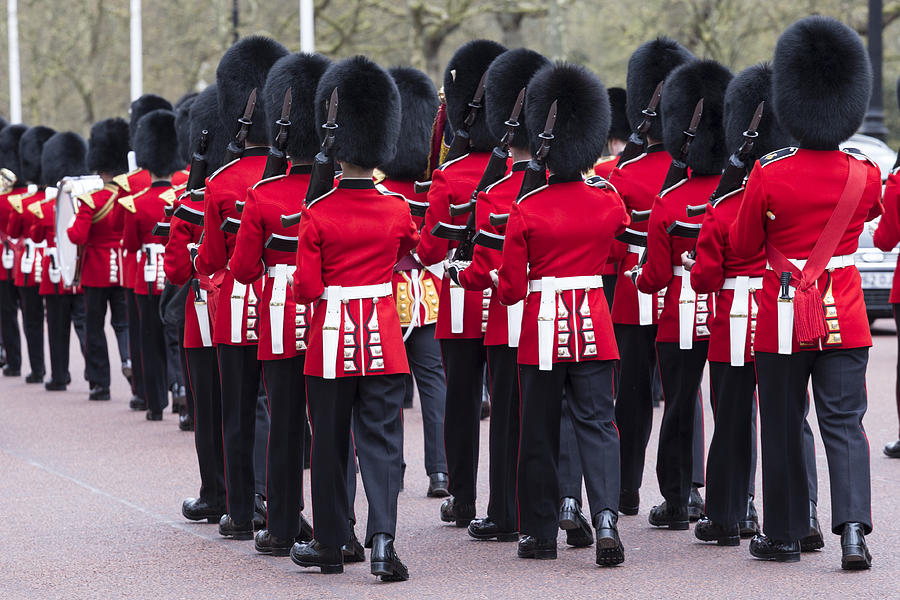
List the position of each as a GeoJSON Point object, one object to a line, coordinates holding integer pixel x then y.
{"type": "Point", "coordinates": [809, 315]}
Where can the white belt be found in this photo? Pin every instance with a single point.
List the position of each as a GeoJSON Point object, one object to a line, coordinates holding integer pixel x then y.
{"type": "Point", "coordinates": [740, 314]}
{"type": "Point", "coordinates": [836, 262]}
{"type": "Point", "coordinates": [548, 286]}
{"type": "Point", "coordinates": [28, 256]}
{"type": "Point", "coordinates": [687, 309]}
{"type": "Point", "coordinates": [8, 257]}
{"type": "Point", "coordinates": [202, 311]}
{"type": "Point", "coordinates": [514, 322]}
{"type": "Point", "coordinates": [53, 272]}
{"type": "Point", "coordinates": [238, 294]}
{"type": "Point", "coordinates": [335, 296]}
{"type": "Point", "coordinates": [645, 301]}
{"type": "Point", "coordinates": [457, 307]}
{"type": "Point", "coordinates": [280, 275]}
{"type": "Point", "coordinates": [415, 286]}
{"type": "Point", "coordinates": [151, 264]}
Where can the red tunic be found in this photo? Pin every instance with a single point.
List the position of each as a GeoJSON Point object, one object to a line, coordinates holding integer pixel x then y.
{"type": "Point", "coordinates": [10, 246]}
{"type": "Point", "coordinates": [800, 188]}
{"type": "Point", "coordinates": [664, 253]}
{"type": "Point", "coordinates": [43, 229]}
{"type": "Point", "coordinates": [453, 183]}
{"type": "Point", "coordinates": [497, 199]}
{"type": "Point", "coordinates": [98, 229]}
{"type": "Point", "coordinates": [223, 188]}
{"type": "Point", "coordinates": [888, 233]}
{"type": "Point", "coordinates": [564, 229]}
{"type": "Point", "coordinates": [638, 182]}
{"type": "Point", "coordinates": [130, 183]}
{"type": "Point", "coordinates": [266, 202]}
{"type": "Point", "coordinates": [605, 167]}
{"type": "Point", "coordinates": [138, 235]}
{"type": "Point", "coordinates": [180, 178]}
{"type": "Point", "coordinates": [19, 225]}
{"type": "Point", "coordinates": [716, 261]}
{"type": "Point", "coordinates": [353, 236]}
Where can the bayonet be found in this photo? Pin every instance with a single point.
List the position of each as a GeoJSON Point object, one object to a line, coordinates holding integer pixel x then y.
{"type": "Point", "coordinates": [678, 169]}
{"type": "Point", "coordinates": [235, 147]}
{"type": "Point", "coordinates": [637, 142]}
{"type": "Point", "coordinates": [738, 163]}
{"type": "Point", "coordinates": [276, 162]}
{"type": "Point", "coordinates": [536, 171]}
{"type": "Point", "coordinates": [460, 143]}
{"type": "Point", "coordinates": [197, 176]}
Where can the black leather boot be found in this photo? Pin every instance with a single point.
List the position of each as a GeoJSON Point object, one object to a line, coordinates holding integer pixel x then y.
{"type": "Point", "coordinates": [453, 511]}
{"type": "Point", "coordinates": [723, 535]}
{"type": "Point", "coordinates": [578, 531]}
{"type": "Point", "coordinates": [313, 554]}
{"type": "Point", "coordinates": [854, 551]}
{"type": "Point", "coordinates": [532, 547]}
{"type": "Point", "coordinates": [674, 517]}
{"type": "Point", "coordinates": [236, 531]}
{"type": "Point", "coordinates": [353, 551]}
{"type": "Point", "coordinates": [610, 551]}
{"type": "Point", "coordinates": [266, 543]}
{"type": "Point", "coordinates": [765, 548]}
{"type": "Point", "coordinates": [750, 523]}
{"type": "Point", "coordinates": [197, 509]}
{"type": "Point", "coordinates": [384, 560]}
{"type": "Point", "coordinates": [814, 540]}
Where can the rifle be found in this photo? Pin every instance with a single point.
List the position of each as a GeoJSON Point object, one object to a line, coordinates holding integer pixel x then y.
{"type": "Point", "coordinates": [276, 161]}
{"type": "Point", "coordinates": [637, 142]}
{"type": "Point", "coordinates": [235, 148]}
{"type": "Point", "coordinates": [321, 180]}
{"type": "Point", "coordinates": [195, 183]}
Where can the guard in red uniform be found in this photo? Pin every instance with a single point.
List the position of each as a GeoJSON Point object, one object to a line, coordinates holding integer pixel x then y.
{"type": "Point", "coordinates": [557, 241]}
{"type": "Point", "coordinates": [64, 155]}
{"type": "Point", "coordinates": [462, 320]}
{"type": "Point", "coordinates": [635, 314]}
{"type": "Point", "coordinates": [682, 338]}
{"type": "Point", "coordinates": [349, 241]}
{"type": "Point", "coordinates": [156, 151]}
{"type": "Point", "coordinates": [9, 297]}
{"type": "Point", "coordinates": [200, 352]}
{"type": "Point", "coordinates": [98, 230]}
{"type": "Point", "coordinates": [236, 332]}
{"type": "Point", "coordinates": [805, 208]}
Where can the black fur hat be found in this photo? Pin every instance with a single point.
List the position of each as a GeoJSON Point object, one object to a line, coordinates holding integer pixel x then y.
{"type": "Point", "coordinates": [368, 114]}
{"type": "Point", "coordinates": [750, 87]}
{"type": "Point", "coordinates": [156, 143]}
{"type": "Point", "coordinates": [31, 144]}
{"type": "Point", "coordinates": [187, 97]}
{"type": "Point", "coordinates": [684, 87]}
{"type": "Point", "coordinates": [108, 147]}
{"type": "Point", "coordinates": [205, 116]}
{"type": "Point", "coordinates": [64, 155]}
{"type": "Point", "coordinates": [419, 104]}
{"type": "Point", "coordinates": [582, 116]}
{"type": "Point", "coordinates": [823, 81]}
{"type": "Point", "coordinates": [243, 67]}
{"type": "Point", "coordinates": [9, 148]}
{"type": "Point", "coordinates": [300, 72]}
{"type": "Point", "coordinates": [143, 105]}
{"type": "Point", "coordinates": [619, 127]}
{"type": "Point", "coordinates": [651, 63]}
{"type": "Point", "coordinates": [507, 75]}
{"type": "Point", "coordinates": [3, 122]}
{"type": "Point", "coordinates": [183, 128]}
{"type": "Point", "coordinates": [461, 79]}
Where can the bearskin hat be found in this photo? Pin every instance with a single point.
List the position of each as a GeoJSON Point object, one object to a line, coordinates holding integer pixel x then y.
{"type": "Point", "coordinates": [108, 147]}
{"type": "Point", "coordinates": [9, 148]}
{"type": "Point", "coordinates": [619, 127]}
{"type": "Point", "coordinates": [750, 87]}
{"type": "Point", "coordinates": [31, 145]}
{"type": "Point", "coordinates": [205, 116]}
{"type": "Point", "coordinates": [464, 71]}
{"type": "Point", "coordinates": [300, 72]}
{"type": "Point", "coordinates": [3, 122]}
{"type": "Point", "coordinates": [419, 104]}
{"type": "Point", "coordinates": [143, 105]}
{"type": "Point", "coordinates": [368, 114]}
{"type": "Point", "coordinates": [185, 98]}
{"type": "Point", "coordinates": [244, 67]}
{"type": "Point", "coordinates": [684, 87]}
{"type": "Point", "coordinates": [823, 81]}
{"type": "Point", "coordinates": [507, 75]}
{"type": "Point", "coordinates": [582, 116]}
{"type": "Point", "coordinates": [183, 127]}
{"type": "Point", "coordinates": [651, 63]}
{"type": "Point", "coordinates": [63, 155]}
{"type": "Point", "coordinates": [156, 143]}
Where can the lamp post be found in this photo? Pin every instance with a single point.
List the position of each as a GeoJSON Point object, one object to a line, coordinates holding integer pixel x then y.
{"type": "Point", "coordinates": [873, 124]}
{"type": "Point", "coordinates": [15, 82]}
{"type": "Point", "coordinates": [307, 26]}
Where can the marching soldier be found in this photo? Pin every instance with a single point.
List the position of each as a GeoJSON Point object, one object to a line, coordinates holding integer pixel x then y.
{"type": "Point", "coordinates": [462, 318]}
{"type": "Point", "coordinates": [9, 297]}
{"type": "Point", "coordinates": [567, 344]}
{"type": "Point", "coordinates": [356, 360]}
{"type": "Point", "coordinates": [242, 69]}
{"type": "Point", "coordinates": [417, 289]}
{"type": "Point", "coordinates": [682, 338]}
{"type": "Point", "coordinates": [98, 230]}
{"type": "Point", "coordinates": [805, 207]}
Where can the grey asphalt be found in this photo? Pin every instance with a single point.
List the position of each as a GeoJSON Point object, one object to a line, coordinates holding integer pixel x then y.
{"type": "Point", "coordinates": [91, 495]}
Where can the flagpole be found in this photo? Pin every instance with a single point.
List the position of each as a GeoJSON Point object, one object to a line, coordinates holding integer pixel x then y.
{"type": "Point", "coordinates": [137, 62]}
{"type": "Point", "coordinates": [15, 79]}
{"type": "Point", "coordinates": [307, 26]}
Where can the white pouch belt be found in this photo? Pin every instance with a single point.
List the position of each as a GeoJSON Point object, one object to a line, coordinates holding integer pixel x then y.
{"type": "Point", "coordinates": [280, 275]}
{"type": "Point", "coordinates": [636, 249]}
{"type": "Point", "coordinates": [415, 286]}
{"type": "Point", "coordinates": [53, 271]}
{"type": "Point", "coordinates": [514, 322]}
{"type": "Point", "coordinates": [152, 252]}
{"type": "Point", "coordinates": [8, 257]}
{"type": "Point", "coordinates": [457, 307]}
{"type": "Point", "coordinates": [335, 296]}
{"type": "Point", "coordinates": [28, 257]}
{"type": "Point", "coordinates": [548, 287]}
{"type": "Point", "coordinates": [740, 314]}
{"type": "Point", "coordinates": [200, 308]}
{"type": "Point", "coordinates": [238, 294]}
{"type": "Point", "coordinates": [836, 262]}
{"type": "Point", "coordinates": [645, 301]}
{"type": "Point", "coordinates": [687, 309]}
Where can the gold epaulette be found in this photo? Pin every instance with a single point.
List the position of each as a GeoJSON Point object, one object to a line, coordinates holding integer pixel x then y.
{"type": "Point", "coordinates": [379, 176]}
{"type": "Point", "coordinates": [35, 209]}
{"type": "Point", "coordinates": [169, 195]}
{"type": "Point", "coordinates": [122, 180]}
{"type": "Point", "coordinates": [16, 203]}
{"type": "Point", "coordinates": [87, 200]}
{"type": "Point", "coordinates": [128, 204]}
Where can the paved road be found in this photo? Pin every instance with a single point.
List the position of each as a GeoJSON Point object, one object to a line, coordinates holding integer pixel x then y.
{"type": "Point", "coordinates": [91, 495]}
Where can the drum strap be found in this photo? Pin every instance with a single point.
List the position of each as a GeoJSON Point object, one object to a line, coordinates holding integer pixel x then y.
{"type": "Point", "coordinates": [103, 212]}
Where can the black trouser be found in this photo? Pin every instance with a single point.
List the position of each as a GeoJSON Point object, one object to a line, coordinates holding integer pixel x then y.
{"type": "Point", "coordinates": [634, 398]}
{"type": "Point", "coordinates": [134, 344]}
{"type": "Point", "coordinates": [839, 390]}
{"type": "Point", "coordinates": [570, 474]}
{"type": "Point", "coordinates": [62, 311]}
{"type": "Point", "coordinates": [589, 390]}
{"type": "Point", "coordinates": [375, 403]}
{"type": "Point", "coordinates": [172, 338]}
{"type": "Point", "coordinates": [464, 371]}
{"type": "Point", "coordinates": [203, 371]}
{"type": "Point", "coordinates": [503, 370]}
{"type": "Point", "coordinates": [153, 353]}
{"type": "Point", "coordinates": [895, 307]}
{"type": "Point", "coordinates": [33, 324]}
{"type": "Point", "coordinates": [9, 324]}
{"type": "Point", "coordinates": [188, 392]}
{"type": "Point", "coordinates": [239, 374]}
{"type": "Point", "coordinates": [96, 352]}
{"type": "Point", "coordinates": [698, 446]}
{"type": "Point", "coordinates": [286, 392]}
{"type": "Point", "coordinates": [609, 289]}
{"type": "Point", "coordinates": [260, 440]}
{"type": "Point", "coordinates": [680, 374]}
{"type": "Point", "coordinates": [424, 354]}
